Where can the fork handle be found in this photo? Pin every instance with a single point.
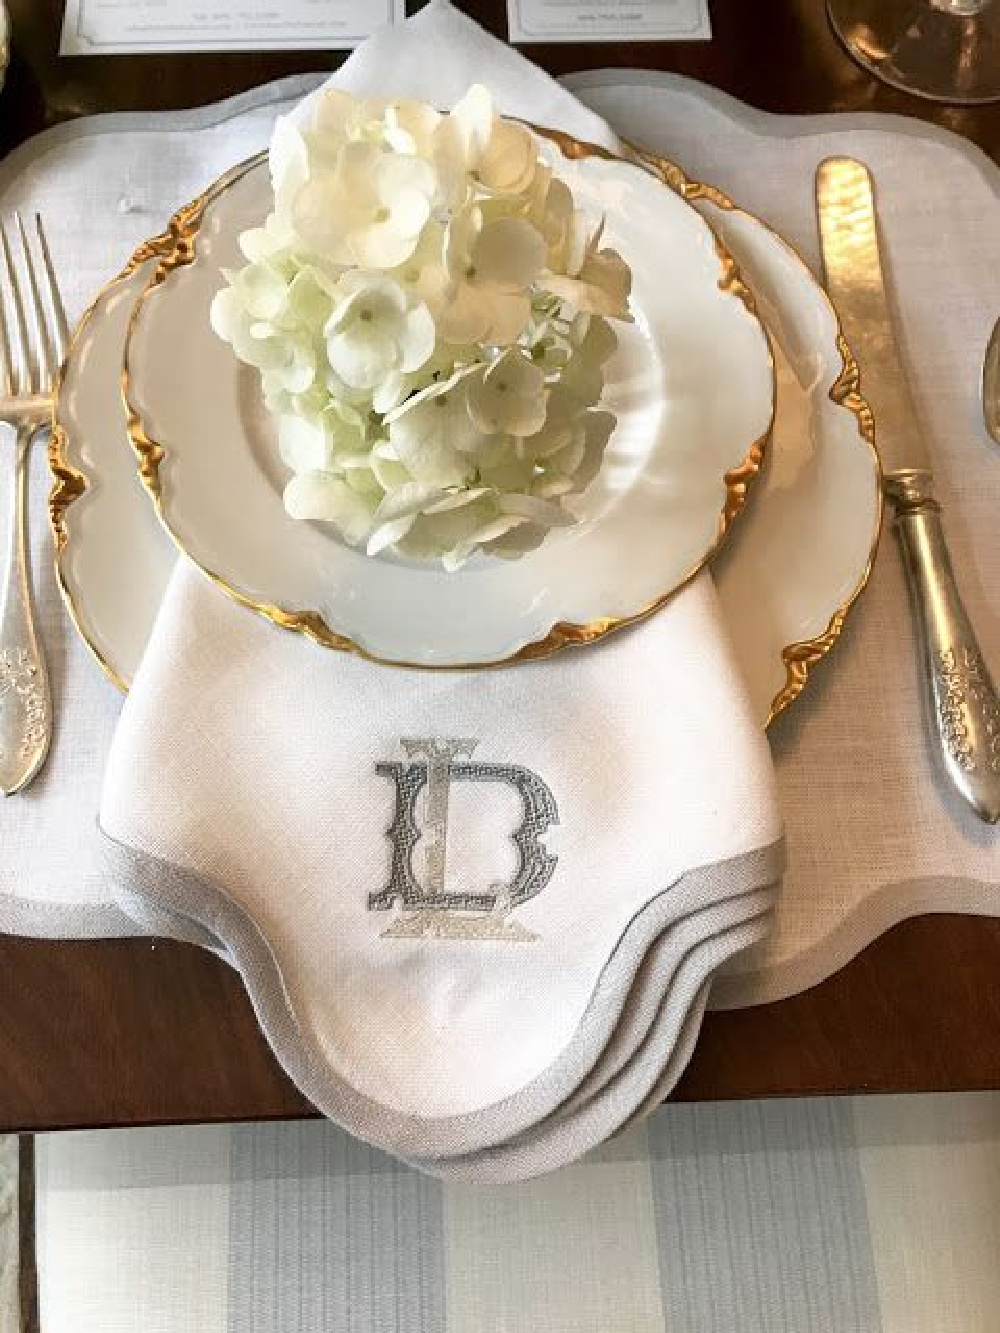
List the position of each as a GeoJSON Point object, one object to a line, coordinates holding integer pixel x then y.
{"type": "Point", "coordinates": [25, 703]}
{"type": "Point", "coordinates": [964, 705]}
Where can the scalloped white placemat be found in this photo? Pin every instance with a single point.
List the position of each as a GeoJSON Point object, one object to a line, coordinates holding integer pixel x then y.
{"type": "Point", "coordinates": [874, 835]}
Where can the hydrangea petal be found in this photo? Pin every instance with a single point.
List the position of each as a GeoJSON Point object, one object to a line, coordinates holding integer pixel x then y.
{"type": "Point", "coordinates": [472, 116]}
{"type": "Point", "coordinates": [508, 164]}
{"type": "Point", "coordinates": [323, 497]}
{"type": "Point", "coordinates": [388, 533]}
{"type": "Point", "coordinates": [304, 444]}
{"type": "Point", "coordinates": [547, 513]}
{"type": "Point", "coordinates": [510, 252]}
{"type": "Point", "coordinates": [510, 397]}
{"type": "Point", "coordinates": [417, 337]}
{"type": "Point", "coordinates": [408, 501]}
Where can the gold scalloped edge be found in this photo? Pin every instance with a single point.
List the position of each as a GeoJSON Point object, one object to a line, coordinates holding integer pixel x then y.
{"type": "Point", "coordinates": [846, 392]}
{"type": "Point", "coordinates": [179, 249]}
{"type": "Point", "coordinates": [798, 658]}
{"type": "Point", "coordinates": [739, 479]}
{"type": "Point", "coordinates": [680, 182]}
{"type": "Point", "coordinates": [69, 482]}
{"type": "Point", "coordinates": [68, 485]}
{"type": "Point", "coordinates": [183, 233]}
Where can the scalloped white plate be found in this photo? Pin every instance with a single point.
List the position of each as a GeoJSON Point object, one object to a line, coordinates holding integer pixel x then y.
{"type": "Point", "coordinates": [691, 385]}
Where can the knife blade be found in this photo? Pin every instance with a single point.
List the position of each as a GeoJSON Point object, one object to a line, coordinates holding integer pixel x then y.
{"type": "Point", "coordinates": [964, 707]}
{"type": "Point", "coordinates": [855, 279]}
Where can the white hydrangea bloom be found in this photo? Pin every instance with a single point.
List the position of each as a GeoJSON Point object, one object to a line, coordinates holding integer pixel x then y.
{"type": "Point", "coordinates": [369, 210]}
{"type": "Point", "coordinates": [433, 434]}
{"type": "Point", "coordinates": [510, 396]}
{"type": "Point", "coordinates": [423, 273]}
{"type": "Point", "coordinates": [376, 331]}
{"type": "Point", "coordinates": [491, 266]}
{"type": "Point", "coordinates": [411, 127]}
{"type": "Point", "coordinates": [594, 281]}
{"type": "Point", "coordinates": [428, 311]}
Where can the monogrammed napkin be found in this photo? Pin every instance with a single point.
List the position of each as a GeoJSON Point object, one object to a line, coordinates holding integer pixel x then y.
{"type": "Point", "coordinates": [476, 912]}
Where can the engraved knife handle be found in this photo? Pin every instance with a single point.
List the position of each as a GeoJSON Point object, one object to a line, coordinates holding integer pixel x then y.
{"type": "Point", "coordinates": [965, 708]}
{"type": "Point", "coordinates": [25, 708]}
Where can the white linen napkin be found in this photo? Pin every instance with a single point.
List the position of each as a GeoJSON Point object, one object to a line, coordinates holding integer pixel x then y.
{"type": "Point", "coordinates": [608, 817]}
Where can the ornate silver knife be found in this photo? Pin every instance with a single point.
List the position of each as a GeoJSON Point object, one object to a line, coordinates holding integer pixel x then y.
{"type": "Point", "coordinates": [964, 706]}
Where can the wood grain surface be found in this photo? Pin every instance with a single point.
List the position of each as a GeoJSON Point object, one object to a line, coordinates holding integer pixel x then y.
{"type": "Point", "coordinates": [141, 1032]}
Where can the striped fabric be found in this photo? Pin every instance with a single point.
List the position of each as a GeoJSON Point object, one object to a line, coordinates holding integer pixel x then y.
{"type": "Point", "coordinates": [822, 1216]}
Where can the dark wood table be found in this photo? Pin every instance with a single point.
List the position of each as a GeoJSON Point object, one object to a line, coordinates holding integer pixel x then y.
{"type": "Point", "coordinates": [133, 1032]}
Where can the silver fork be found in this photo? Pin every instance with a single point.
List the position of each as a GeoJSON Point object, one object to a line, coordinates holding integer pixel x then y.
{"type": "Point", "coordinates": [33, 338]}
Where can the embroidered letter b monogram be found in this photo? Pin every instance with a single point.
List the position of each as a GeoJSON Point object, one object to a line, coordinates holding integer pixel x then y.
{"type": "Point", "coordinates": [470, 912]}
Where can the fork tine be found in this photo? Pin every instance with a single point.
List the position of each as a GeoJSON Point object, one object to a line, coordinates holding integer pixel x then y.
{"type": "Point", "coordinates": [15, 334]}
{"type": "Point", "coordinates": [59, 327]}
{"type": "Point", "coordinates": [43, 358]}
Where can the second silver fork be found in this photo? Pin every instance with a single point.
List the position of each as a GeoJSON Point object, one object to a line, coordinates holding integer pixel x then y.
{"type": "Point", "coordinates": [33, 337]}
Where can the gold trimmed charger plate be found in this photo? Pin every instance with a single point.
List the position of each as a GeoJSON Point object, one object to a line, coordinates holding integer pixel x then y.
{"type": "Point", "coordinates": [806, 541]}
{"type": "Point", "coordinates": [691, 386]}
{"type": "Point", "coordinates": [809, 540]}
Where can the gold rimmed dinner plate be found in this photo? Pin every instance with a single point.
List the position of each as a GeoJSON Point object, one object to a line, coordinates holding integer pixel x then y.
{"type": "Point", "coordinates": [691, 386]}
{"type": "Point", "coordinates": [803, 553]}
